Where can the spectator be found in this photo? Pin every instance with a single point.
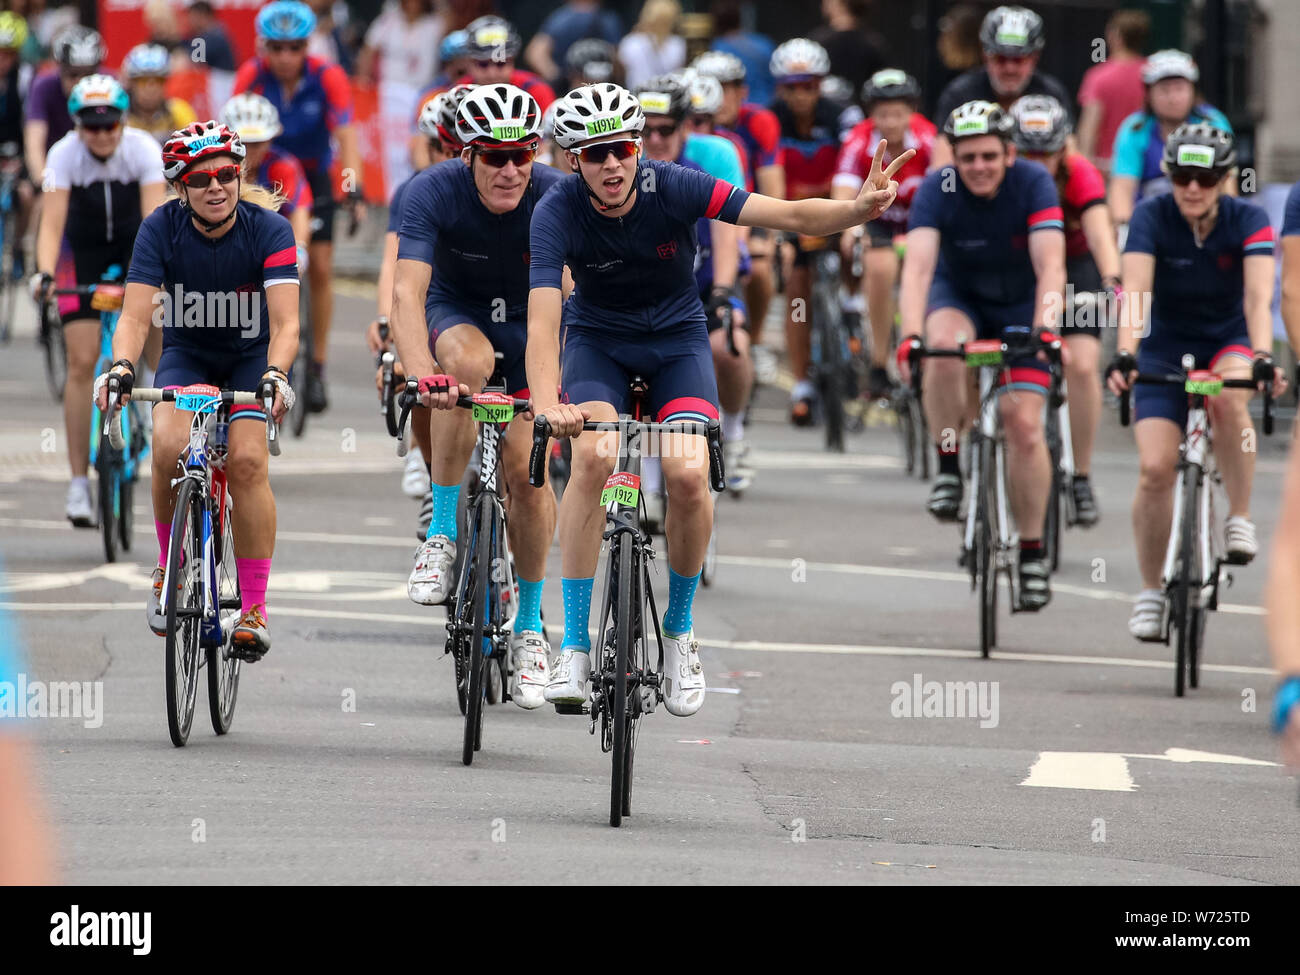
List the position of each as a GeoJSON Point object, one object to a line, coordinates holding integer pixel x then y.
{"type": "Point", "coordinates": [576, 20]}
{"type": "Point", "coordinates": [855, 54]}
{"type": "Point", "coordinates": [78, 52]}
{"type": "Point", "coordinates": [753, 49]}
{"type": "Point", "coordinates": [654, 47]}
{"type": "Point", "coordinates": [1112, 90]}
{"type": "Point", "coordinates": [959, 41]}
{"type": "Point", "coordinates": [160, 20]}
{"type": "Point", "coordinates": [1012, 40]}
{"type": "Point", "coordinates": [329, 40]}
{"type": "Point", "coordinates": [217, 51]}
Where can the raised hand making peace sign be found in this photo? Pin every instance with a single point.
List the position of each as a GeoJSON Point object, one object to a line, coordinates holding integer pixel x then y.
{"type": "Point", "coordinates": [879, 190]}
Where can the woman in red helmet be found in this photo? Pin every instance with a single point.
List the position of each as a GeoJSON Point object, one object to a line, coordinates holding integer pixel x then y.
{"type": "Point", "coordinates": [216, 270]}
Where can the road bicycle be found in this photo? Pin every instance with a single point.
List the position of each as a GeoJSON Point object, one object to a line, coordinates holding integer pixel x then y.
{"type": "Point", "coordinates": [831, 359]}
{"type": "Point", "coordinates": [1194, 557]}
{"type": "Point", "coordinates": [11, 243]}
{"type": "Point", "coordinates": [625, 684]}
{"type": "Point", "coordinates": [302, 363]}
{"type": "Point", "coordinates": [913, 430]}
{"type": "Point", "coordinates": [200, 593]}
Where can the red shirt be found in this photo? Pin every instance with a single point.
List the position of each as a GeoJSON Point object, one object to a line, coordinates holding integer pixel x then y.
{"type": "Point", "coordinates": [1084, 188]}
{"type": "Point", "coordinates": [280, 171]}
{"type": "Point", "coordinates": [859, 149]}
{"type": "Point", "coordinates": [1117, 87]}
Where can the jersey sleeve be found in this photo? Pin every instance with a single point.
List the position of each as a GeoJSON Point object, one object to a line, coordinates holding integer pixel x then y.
{"type": "Point", "coordinates": [547, 242]}
{"type": "Point", "coordinates": [1142, 229]}
{"type": "Point", "coordinates": [1043, 202]}
{"type": "Point", "coordinates": [421, 206]}
{"type": "Point", "coordinates": [690, 194]}
{"type": "Point", "coordinates": [927, 206]}
{"type": "Point", "coordinates": [38, 105]}
{"type": "Point", "coordinates": [395, 208]}
{"type": "Point", "coordinates": [766, 130]}
{"type": "Point", "coordinates": [146, 254]}
{"type": "Point", "coordinates": [244, 76]}
{"type": "Point", "coordinates": [279, 252]}
{"type": "Point", "coordinates": [338, 97]}
{"type": "Point", "coordinates": [1256, 232]}
{"type": "Point", "coordinates": [1126, 158]}
{"type": "Point", "coordinates": [57, 166]}
{"type": "Point", "coordinates": [1085, 187]}
{"type": "Point", "coordinates": [146, 159]}
{"type": "Point", "coordinates": [1291, 213]}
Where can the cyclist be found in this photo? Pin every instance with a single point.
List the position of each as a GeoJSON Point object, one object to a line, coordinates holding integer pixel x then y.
{"type": "Point", "coordinates": [664, 103]}
{"type": "Point", "coordinates": [810, 143]}
{"type": "Point", "coordinates": [891, 97]}
{"type": "Point", "coordinates": [256, 122]}
{"type": "Point", "coordinates": [222, 236]}
{"type": "Point", "coordinates": [437, 126]}
{"type": "Point", "coordinates": [15, 80]}
{"type": "Point", "coordinates": [492, 47]}
{"type": "Point", "coordinates": [1091, 267]}
{"type": "Point", "coordinates": [145, 70]}
{"type": "Point", "coordinates": [760, 131]}
{"type": "Point", "coordinates": [635, 308]}
{"type": "Point", "coordinates": [988, 254]}
{"type": "Point", "coordinates": [1136, 173]}
{"type": "Point", "coordinates": [705, 102]}
{"type": "Point", "coordinates": [591, 61]}
{"type": "Point", "coordinates": [314, 99]}
{"type": "Point", "coordinates": [1012, 39]}
{"type": "Point", "coordinates": [453, 60]}
{"type": "Point", "coordinates": [77, 52]}
{"type": "Point", "coordinates": [1206, 260]}
{"type": "Point", "coordinates": [100, 180]}
{"type": "Point", "coordinates": [470, 219]}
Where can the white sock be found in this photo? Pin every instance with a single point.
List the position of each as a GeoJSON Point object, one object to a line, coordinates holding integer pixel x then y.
{"type": "Point", "coordinates": [733, 426]}
{"type": "Point", "coordinates": [83, 481]}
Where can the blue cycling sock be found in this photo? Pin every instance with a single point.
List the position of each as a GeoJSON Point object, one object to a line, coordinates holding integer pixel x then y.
{"type": "Point", "coordinates": [681, 594]}
{"type": "Point", "coordinates": [530, 606]}
{"type": "Point", "coordinates": [577, 611]}
{"type": "Point", "coordinates": [445, 500]}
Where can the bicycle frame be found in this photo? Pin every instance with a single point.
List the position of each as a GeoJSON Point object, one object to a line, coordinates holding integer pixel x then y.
{"type": "Point", "coordinates": [989, 428]}
{"type": "Point", "coordinates": [1195, 452]}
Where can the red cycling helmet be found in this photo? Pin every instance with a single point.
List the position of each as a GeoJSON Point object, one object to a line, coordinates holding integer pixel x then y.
{"type": "Point", "coordinates": [186, 146]}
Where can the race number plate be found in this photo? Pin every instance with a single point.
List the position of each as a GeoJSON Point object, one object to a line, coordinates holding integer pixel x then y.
{"type": "Point", "coordinates": [493, 408]}
{"type": "Point", "coordinates": [198, 398]}
{"type": "Point", "coordinates": [984, 352]}
{"type": "Point", "coordinates": [1203, 382]}
{"type": "Point", "coordinates": [622, 489]}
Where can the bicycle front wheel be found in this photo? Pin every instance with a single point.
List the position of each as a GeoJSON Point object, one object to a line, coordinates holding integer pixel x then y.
{"type": "Point", "coordinates": [302, 377]}
{"type": "Point", "coordinates": [620, 783]}
{"type": "Point", "coordinates": [985, 545]}
{"type": "Point", "coordinates": [56, 356]}
{"type": "Point", "coordinates": [184, 593]}
{"type": "Point", "coordinates": [108, 474]}
{"type": "Point", "coordinates": [223, 666]}
{"type": "Point", "coordinates": [1187, 586]}
{"type": "Point", "coordinates": [480, 603]}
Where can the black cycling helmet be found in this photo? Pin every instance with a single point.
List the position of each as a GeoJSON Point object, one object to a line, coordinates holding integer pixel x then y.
{"type": "Point", "coordinates": [889, 85]}
{"type": "Point", "coordinates": [1042, 124]}
{"type": "Point", "coordinates": [978, 118]}
{"type": "Point", "coordinates": [1198, 146]}
{"type": "Point", "coordinates": [492, 38]}
{"type": "Point", "coordinates": [592, 59]}
{"type": "Point", "coordinates": [1013, 31]}
{"type": "Point", "coordinates": [666, 95]}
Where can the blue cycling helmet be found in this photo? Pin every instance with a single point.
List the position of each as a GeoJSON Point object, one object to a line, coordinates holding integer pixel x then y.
{"type": "Point", "coordinates": [454, 45]}
{"type": "Point", "coordinates": [285, 20]}
{"type": "Point", "coordinates": [147, 61]}
{"type": "Point", "coordinates": [98, 96]}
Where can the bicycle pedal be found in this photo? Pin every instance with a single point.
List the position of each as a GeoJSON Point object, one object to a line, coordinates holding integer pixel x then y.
{"type": "Point", "coordinates": [563, 707]}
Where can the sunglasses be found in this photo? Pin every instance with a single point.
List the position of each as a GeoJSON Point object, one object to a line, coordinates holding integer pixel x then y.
{"type": "Point", "coordinates": [1205, 180]}
{"type": "Point", "coordinates": [99, 128]}
{"type": "Point", "coordinates": [1007, 60]}
{"type": "Point", "coordinates": [482, 65]}
{"type": "Point", "coordinates": [275, 47]}
{"type": "Point", "coordinates": [804, 86]}
{"type": "Point", "coordinates": [200, 178]}
{"type": "Point", "coordinates": [966, 158]}
{"type": "Point", "coordinates": [497, 158]}
{"type": "Point", "coordinates": [663, 131]}
{"type": "Point", "coordinates": [623, 149]}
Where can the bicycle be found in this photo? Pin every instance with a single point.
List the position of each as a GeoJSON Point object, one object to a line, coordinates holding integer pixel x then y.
{"type": "Point", "coordinates": [624, 684]}
{"type": "Point", "coordinates": [990, 542]}
{"type": "Point", "coordinates": [913, 430]}
{"type": "Point", "coordinates": [1061, 509]}
{"type": "Point", "coordinates": [302, 363]}
{"type": "Point", "coordinates": [200, 580]}
{"type": "Point", "coordinates": [385, 361]}
{"type": "Point", "coordinates": [1193, 558]}
{"type": "Point", "coordinates": [832, 364]}
{"type": "Point", "coordinates": [116, 459]}
{"type": "Point", "coordinates": [50, 338]}
{"type": "Point", "coordinates": [11, 244]}
{"type": "Point", "coordinates": [483, 603]}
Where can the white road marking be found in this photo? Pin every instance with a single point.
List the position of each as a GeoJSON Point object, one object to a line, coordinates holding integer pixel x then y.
{"type": "Point", "coordinates": [1108, 771]}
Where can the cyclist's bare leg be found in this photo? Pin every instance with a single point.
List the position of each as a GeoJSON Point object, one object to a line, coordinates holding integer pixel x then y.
{"type": "Point", "coordinates": [735, 372]}
{"type": "Point", "coordinates": [320, 278]}
{"type": "Point", "coordinates": [465, 353]}
{"type": "Point", "coordinates": [581, 518]}
{"type": "Point", "coordinates": [944, 389]}
{"type": "Point", "coordinates": [689, 521]}
{"type": "Point", "coordinates": [82, 340]}
{"type": "Point", "coordinates": [1029, 464]}
{"type": "Point", "coordinates": [798, 335]}
{"type": "Point", "coordinates": [1234, 436]}
{"type": "Point", "coordinates": [532, 510]}
{"type": "Point", "coordinates": [253, 512]}
{"type": "Point", "coordinates": [878, 278]}
{"type": "Point", "coordinates": [171, 434]}
{"type": "Point", "coordinates": [1084, 389]}
{"type": "Point", "coordinates": [758, 289]}
{"type": "Point", "coordinates": [1158, 440]}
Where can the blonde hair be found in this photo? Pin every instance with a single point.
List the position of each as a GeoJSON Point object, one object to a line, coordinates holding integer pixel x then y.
{"type": "Point", "coordinates": [659, 18]}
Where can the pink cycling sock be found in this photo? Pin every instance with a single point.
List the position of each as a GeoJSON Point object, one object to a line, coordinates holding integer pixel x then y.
{"type": "Point", "coordinates": [253, 574]}
{"type": "Point", "coordinates": [164, 531]}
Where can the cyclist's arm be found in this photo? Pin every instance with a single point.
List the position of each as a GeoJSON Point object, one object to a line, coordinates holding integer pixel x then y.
{"type": "Point", "coordinates": [387, 274]}
{"type": "Point", "coordinates": [49, 237]}
{"type": "Point", "coordinates": [419, 146]}
{"type": "Point", "coordinates": [1257, 271]}
{"type": "Point", "coordinates": [819, 217]}
{"type": "Point", "coordinates": [770, 181]}
{"type": "Point", "coordinates": [1291, 289]}
{"type": "Point", "coordinates": [300, 222]}
{"type": "Point", "coordinates": [542, 353]}
{"type": "Point", "coordinates": [34, 135]}
{"type": "Point", "coordinates": [152, 196]}
{"type": "Point", "coordinates": [724, 240]}
{"type": "Point", "coordinates": [406, 318]}
{"type": "Point", "coordinates": [1089, 121]}
{"type": "Point", "coordinates": [1120, 197]}
{"type": "Point", "coordinates": [282, 305]}
{"type": "Point", "coordinates": [537, 55]}
{"type": "Point", "coordinates": [132, 329]}
{"type": "Point", "coordinates": [1047, 254]}
{"type": "Point", "coordinates": [918, 272]}
{"type": "Point", "coordinates": [1135, 308]}
{"type": "Point", "coordinates": [1100, 233]}
{"type": "Point", "coordinates": [349, 151]}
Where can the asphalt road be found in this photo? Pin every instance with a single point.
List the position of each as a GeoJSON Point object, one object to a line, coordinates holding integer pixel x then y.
{"type": "Point", "coordinates": [835, 594]}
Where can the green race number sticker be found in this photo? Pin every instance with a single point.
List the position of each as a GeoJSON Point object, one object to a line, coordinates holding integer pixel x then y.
{"type": "Point", "coordinates": [622, 489]}
{"type": "Point", "coordinates": [990, 357]}
{"type": "Point", "coordinates": [654, 102]}
{"type": "Point", "coordinates": [1204, 387]}
{"type": "Point", "coordinates": [972, 126]}
{"type": "Point", "coordinates": [888, 77]}
{"type": "Point", "coordinates": [1196, 156]}
{"type": "Point", "coordinates": [600, 126]}
{"type": "Point", "coordinates": [493, 410]}
{"type": "Point", "coordinates": [509, 133]}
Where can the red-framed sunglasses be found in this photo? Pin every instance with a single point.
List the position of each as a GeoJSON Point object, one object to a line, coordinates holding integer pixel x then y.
{"type": "Point", "coordinates": [620, 150]}
{"type": "Point", "coordinates": [498, 158]}
{"type": "Point", "coordinates": [200, 178]}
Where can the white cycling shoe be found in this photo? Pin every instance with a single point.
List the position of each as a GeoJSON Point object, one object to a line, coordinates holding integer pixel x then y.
{"type": "Point", "coordinates": [570, 675]}
{"type": "Point", "coordinates": [735, 459]}
{"type": "Point", "coordinates": [1147, 621]}
{"type": "Point", "coordinates": [78, 508]}
{"type": "Point", "coordinates": [431, 578]}
{"type": "Point", "coordinates": [683, 675]}
{"type": "Point", "coordinates": [528, 655]}
{"type": "Point", "coordinates": [415, 479]}
{"type": "Point", "coordinates": [1242, 544]}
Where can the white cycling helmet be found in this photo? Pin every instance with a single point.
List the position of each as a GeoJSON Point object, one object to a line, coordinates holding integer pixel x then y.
{"type": "Point", "coordinates": [724, 66]}
{"type": "Point", "coordinates": [497, 115]}
{"type": "Point", "coordinates": [978, 118]}
{"type": "Point", "coordinates": [596, 110]}
{"type": "Point", "coordinates": [799, 58]}
{"type": "Point", "coordinates": [1169, 64]}
{"type": "Point", "coordinates": [252, 117]}
{"type": "Point", "coordinates": [705, 94]}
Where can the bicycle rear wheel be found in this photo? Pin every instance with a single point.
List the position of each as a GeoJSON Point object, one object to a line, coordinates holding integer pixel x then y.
{"type": "Point", "coordinates": [907, 432]}
{"type": "Point", "coordinates": [184, 593]}
{"type": "Point", "coordinates": [108, 470]}
{"type": "Point", "coordinates": [223, 666]}
{"type": "Point", "coordinates": [480, 602]}
{"type": "Point", "coordinates": [302, 365]}
{"type": "Point", "coordinates": [985, 559]}
{"type": "Point", "coordinates": [1188, 583]}
{"type": "Point", "coordinates": [56, 356]}
{"type": "Point", "coordinates": [620, 783]}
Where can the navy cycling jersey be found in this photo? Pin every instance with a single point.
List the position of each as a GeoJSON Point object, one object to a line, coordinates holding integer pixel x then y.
{"type": "Point", "coordinates": [1291, 214]}
{"type": "Point", "coordinates": [395, 204]}
{"type": "Point", "coordinates": [1197, 290]}
{"type": "Point", "coordinates": [214, 290]}
{"type": "Point", "coordinates": [984, 243]}
{"type": "Point", "coordinates": [633, 273]}
{"type": "Point", "coordinates": [479, 256]}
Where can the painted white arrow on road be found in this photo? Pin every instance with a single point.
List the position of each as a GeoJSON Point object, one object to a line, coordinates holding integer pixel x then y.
{"type": "Point", "coordinates": [1108, 771]}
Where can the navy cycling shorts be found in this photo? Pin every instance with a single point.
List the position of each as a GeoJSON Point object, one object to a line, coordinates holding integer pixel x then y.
{"type": "Point", "coordinates": [1157, 354]}
{"type": "Point", "coordinates": [1025, 372]}
{"type": "Point", "coordinates": [239, 370]}
{"type": "Point", "coordinates": [597, 367]}
{"type": "Point", "coordinates": [508, 338]}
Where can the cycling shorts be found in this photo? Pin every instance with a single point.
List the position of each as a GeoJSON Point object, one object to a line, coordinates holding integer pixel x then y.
{"type": "Point", "coordinates": [322, 204]}
{"type": "Point", "coordinates": [1023, 372]}
{"type": "Point", "coordinates": [508, 338]}
{"type": "Point", "coordinates": [881, 233]}
{"type": "Point", "coordinates": [181, 365]}
{"type": "Point", "coordinates": [1081, 272]}
{"type": "Point", "coordinates": [85, 266]}
{"type": "Point", "coordinates": [597, 367]}
{"type": "Point", "coordinates": [1156, 355]}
